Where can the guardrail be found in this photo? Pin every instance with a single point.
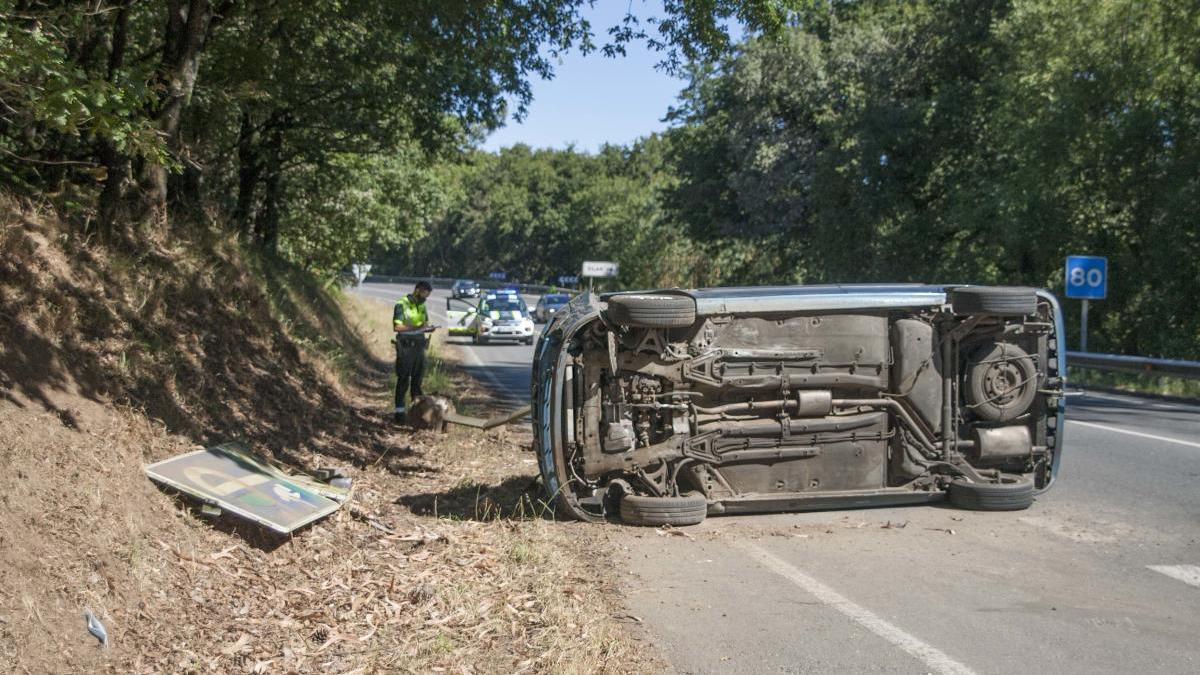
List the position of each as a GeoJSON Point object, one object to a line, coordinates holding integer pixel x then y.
{"type": "Point", "coordinates": [447, 282]}
{"type": "Point", "coordinates": [1139, 365]}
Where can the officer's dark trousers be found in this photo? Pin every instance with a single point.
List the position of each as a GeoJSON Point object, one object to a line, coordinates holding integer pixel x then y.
{"type": "Point", "coordinates": [410, 368]}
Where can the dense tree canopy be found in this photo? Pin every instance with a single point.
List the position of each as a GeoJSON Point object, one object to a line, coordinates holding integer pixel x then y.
{"type": "Point", "coordinates": [536, 214]}
{"type": "Point", "coordinates": [973, 141]}
{"type": "Point", "coordinates": [923, 140]}
{"type": "Point", "coordinates": [929, 141]}
{"type": "Point", "coordinates": [182, 110]}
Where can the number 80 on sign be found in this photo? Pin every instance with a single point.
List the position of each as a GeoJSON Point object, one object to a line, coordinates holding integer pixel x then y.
{"type": "Point", "coordinates": [1087, 277]}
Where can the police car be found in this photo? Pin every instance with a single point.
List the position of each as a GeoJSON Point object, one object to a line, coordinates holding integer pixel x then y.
{"type": "Point", "coordinates": [500, 315]}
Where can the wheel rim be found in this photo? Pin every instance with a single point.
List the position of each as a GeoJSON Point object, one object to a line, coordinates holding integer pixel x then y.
{"type": "Point", "coordinates": [1002, 383]}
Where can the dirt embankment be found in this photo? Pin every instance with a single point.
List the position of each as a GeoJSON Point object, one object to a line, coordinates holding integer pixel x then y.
{"type": "Point", "coordinates": [112, 358]}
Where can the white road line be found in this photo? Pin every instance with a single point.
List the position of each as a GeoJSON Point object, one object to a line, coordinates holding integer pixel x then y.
{"type": "Point", "coordinates": [1119, 430]}
{"type": "Point", "coordinates": [937, 660]}
{"type": "Point", "coordinates": [1188, 574]}
{"type": "Point", "coordinates": [1143, 402]}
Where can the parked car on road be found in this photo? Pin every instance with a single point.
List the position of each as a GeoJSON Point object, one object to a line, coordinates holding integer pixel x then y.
{"type": "Point", "coordinates": [498, 316]}
{"type": "Point", "coordinates": [464, 288]}
{"type": "Point", "coordinates": [548, 305]}
{"type": "Point", "coordinates": [663, 407]}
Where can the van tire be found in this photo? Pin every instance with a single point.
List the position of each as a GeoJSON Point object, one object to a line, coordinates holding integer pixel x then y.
{"type": "Point", "coordinates": [654, 511]}
{"type": "Point", "coordinates": [652, 311]}
{"type": "Point", "coordinates": [1012, 493]}
{"type": "Point", "coordinates": [994, 300]}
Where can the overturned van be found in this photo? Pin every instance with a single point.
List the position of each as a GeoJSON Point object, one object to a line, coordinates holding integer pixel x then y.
{"type": "Point", "coordinates": [663, 407]}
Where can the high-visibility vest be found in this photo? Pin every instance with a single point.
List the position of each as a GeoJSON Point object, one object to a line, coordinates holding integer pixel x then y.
{"type": "Point", "coordinates": [409, 313]}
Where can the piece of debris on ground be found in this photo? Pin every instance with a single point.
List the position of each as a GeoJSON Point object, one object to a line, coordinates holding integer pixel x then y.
{"type": "Point", "coordinates": [227, 477]}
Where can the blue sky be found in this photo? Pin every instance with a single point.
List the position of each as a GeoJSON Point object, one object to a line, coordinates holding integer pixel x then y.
{"type": "Point", "coordinates": [594, 99]}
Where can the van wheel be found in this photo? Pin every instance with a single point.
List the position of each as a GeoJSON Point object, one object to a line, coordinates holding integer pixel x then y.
{"type": "Point", "coordinates": [994, 300]}
{"type": "Point", "coordinates": [687, 510]}
{"type": "Point", "coordinates": [652, 311]}
{"type": "Point", "coordinates": [1001, 382]}
{"type": "Point", "coordinates": [1012, 493]}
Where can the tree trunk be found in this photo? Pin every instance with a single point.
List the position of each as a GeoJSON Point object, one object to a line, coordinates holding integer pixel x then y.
{"type": "Point", "coordinates": [186, 189]}
{"type": "Point", "coordinates": [186, 33]}
{"type": "Point", "coordinates": [115, 163]}
{"type": "Point", "coordinates": [249, 172]}
{"type": "Point", "coordinates": [267, 223]}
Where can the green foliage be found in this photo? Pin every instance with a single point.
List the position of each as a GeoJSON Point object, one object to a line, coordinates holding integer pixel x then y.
{"type": "Point", "coordinates": [340, 211]}
{"type": "Point", "coordinates": [49, 99]}
{"type": "Point", "coordinates": [537, 214]}
{"type": "Point", "coordinates": [1103, 117]}
{"type": "Point", "coordinates": [246, 101]}
{"type": "Point", "coordinates": [926, 140]}
{"type": "Point", "coordinates": [958, 142]}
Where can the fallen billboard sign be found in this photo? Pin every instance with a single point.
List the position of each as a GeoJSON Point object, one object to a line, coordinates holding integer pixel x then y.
{"type": "Point", "coordinates": [230, 478]}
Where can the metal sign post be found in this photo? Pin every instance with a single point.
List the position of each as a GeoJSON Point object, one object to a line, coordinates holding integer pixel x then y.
{"type": "Point", "coordinates": [1083, 327]}
{"type": "Point", "coordinates": [1087, 279]}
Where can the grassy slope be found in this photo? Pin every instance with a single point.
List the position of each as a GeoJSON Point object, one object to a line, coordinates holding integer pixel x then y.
{"type": "Point", "coordinates": [109, 360]}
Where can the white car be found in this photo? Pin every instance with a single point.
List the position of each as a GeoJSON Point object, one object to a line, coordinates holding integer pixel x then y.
{"type": "Point", "coordinates": [499, 316]}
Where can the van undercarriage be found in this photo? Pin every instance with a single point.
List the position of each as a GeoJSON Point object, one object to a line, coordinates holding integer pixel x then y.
{"type": "Point", "coordinates": [665, 407]}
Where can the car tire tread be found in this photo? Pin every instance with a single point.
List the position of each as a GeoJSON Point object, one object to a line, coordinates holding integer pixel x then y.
{"type": "Point", "coordinates": [994, 300]}
{"type": "Point", "coordinates": [655, 511]}
{"type": "Point", "coordinates": [652, 311]}
{"type": "Point", "coordinates": [1015, 494]}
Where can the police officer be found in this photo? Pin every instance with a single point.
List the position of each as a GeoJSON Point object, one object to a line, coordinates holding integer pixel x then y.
{"type": "Point", "coordinates": [410, 320]}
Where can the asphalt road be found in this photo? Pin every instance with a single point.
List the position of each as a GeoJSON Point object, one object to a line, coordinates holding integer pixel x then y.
{"type": "Point", "coordinates": [1102, 574]}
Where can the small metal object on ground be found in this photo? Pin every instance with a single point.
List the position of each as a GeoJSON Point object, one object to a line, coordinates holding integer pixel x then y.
{"type": "Point", "coordinates": [96, 628]}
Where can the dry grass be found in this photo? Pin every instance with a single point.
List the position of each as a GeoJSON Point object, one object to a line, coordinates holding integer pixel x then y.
{"type": "Point", "coordinates": [95, 349]}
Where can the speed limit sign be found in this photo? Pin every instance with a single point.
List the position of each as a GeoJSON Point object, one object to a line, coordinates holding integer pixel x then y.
{"type": "Point", "coordinates": [1087, 277]}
